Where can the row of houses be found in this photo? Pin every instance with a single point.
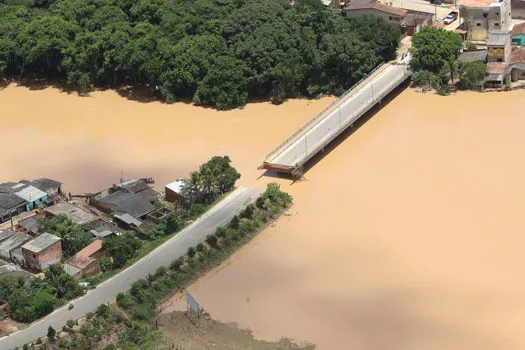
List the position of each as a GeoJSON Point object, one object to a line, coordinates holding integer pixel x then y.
{"type": "Point", "coordinates": [34, 253]}
{"type": "Point", "coordinates": [489, 22]}
{"type": "Point", "coordinates": [124, 206]}
{"type": "Point", "coordinates": [18, 197]}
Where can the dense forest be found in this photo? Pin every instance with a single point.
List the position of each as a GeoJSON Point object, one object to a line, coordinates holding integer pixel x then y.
{"type": "Point", "coordinates": [216, 52]}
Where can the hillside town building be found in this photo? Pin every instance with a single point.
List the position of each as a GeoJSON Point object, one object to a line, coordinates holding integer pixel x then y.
{"type": "Point", "coordinates": [43, 251]}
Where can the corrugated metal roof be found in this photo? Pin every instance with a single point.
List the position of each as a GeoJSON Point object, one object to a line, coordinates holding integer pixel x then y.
{"type": "Point", "coordinates": [73, 213]}
{"type": "Point", "coordinates": [30, 193]}
{"type": "Point", "coordinates": [46, 184]}
{"type": "Point", "coordinates": [175, 186]}
{"type": "Point", "coordinates": [13, 241]}
{"type": "Point", "coordinates": [10, 200]}
{"type": "Point", "coordinates": [41, 242]}
{"type": "Point", "coordinates": [128, 219]}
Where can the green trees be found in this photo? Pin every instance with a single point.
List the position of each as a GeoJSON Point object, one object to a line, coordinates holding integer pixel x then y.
{"type": "Point", "coordinates": [64, 285]}
{"type": "Point", "coordinates": [28, 300]}
{"type": "Point", "coordinates": [213, 178]}
{"type": "Point", "coordinates": [472, 75]}
{"type": "Point", "coordinates": [74, 238]}
{"type": "Point", "coordinates": [214, 52]}
{"type": "Point", "coordinates": [432, 48]}
{"type": "Point", "coordinates": [434, 52]}
{"type": "Point", "coordinates": [224, 86]}
{"type": "Point", "coordinates": [121, 248]}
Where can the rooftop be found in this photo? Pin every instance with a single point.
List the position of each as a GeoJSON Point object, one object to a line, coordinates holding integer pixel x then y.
{"type": "Point", "coordinates": [175, 186]}
{"type": "Point", "coordinates": [379, 7]}
{"type": "Point", "coordinates": [42, 242]}
{"type": "Point", "coordinates": [70, 269]}
{"type": "Point", "coordinates": [10, 200]}
{"type": "Point", "coordinates": [128, 219]}
{"type": "Point", "coordinates": [29, 224]}
{"type": "Point", "coordinates": [479, 3]}
{"type": "Point", "coordinates": [73, 213]}
{"type": "Point", "coordinates": [496, 68]}
{"type": "Point", "coordinates": [14, 240]}
{"type": "Point", "coordinates": [91, 248]}
{"type": "Point", "coordinates": [46, 184]}
{"type": "Point", "coordinates": [133, 186]}
{"type": "Point", "coordinates": [12, 270]}
{"type": "Point", "coordinates": [518, 29]}
{"type": "Point", "coordinates": [29, 193]}
{"type": "Point", "coordinates": [497, 38]}
{"type": "Point", "coordinates": [101, 234]}
{"type": "Point", "coordinates": [472, 55]}
{"type": "Point", "coordinates": [135, 204]}
{"type": "Point", "coordinates": [4, 234]}
{"type": "Point", "coordinates": [517, 57]}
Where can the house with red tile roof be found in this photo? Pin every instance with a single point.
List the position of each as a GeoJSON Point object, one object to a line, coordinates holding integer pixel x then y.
{"type": "Point", "coordinates": [392, 15]}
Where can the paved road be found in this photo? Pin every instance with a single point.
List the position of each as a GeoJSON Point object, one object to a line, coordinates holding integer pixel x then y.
{"type": "Point", "coordinates": [177, 246]}
{"type": "Point", "coordinates": [349, 110]}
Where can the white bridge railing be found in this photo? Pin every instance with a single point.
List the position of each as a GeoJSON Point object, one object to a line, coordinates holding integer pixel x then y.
{"type": "Point", "coordinates": [323, 114]}
{"type": "Point", "coordinates": [336, 127]}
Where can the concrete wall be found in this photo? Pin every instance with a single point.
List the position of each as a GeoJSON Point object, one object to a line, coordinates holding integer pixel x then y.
{"type": "Point", "coordinates": [393, 20]}
{"type": "Point", "coordinates": [42, 260]}
{"type": "Point", "coordinates": [480, 20]}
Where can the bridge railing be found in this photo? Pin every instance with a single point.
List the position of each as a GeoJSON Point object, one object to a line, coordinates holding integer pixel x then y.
{"type": "Point", "coordinates": [351, 119]}
{"type": "Point", "coordinates": [323, 113]}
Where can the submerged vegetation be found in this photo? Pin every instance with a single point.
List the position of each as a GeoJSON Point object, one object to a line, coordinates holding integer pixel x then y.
{"type": "Point", "coordinates": [216, 52]}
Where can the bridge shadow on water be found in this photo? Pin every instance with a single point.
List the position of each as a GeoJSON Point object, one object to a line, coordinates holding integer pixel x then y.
{"type": "Point", "coordinates": [340, 138]}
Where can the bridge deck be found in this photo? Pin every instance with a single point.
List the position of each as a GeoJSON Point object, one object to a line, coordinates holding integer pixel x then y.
{"type": "Point", "coordinates": [322, 129]}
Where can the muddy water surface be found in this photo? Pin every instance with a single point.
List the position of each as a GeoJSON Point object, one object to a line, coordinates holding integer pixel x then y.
{"type": "Point", "coordinates": [408, 235]}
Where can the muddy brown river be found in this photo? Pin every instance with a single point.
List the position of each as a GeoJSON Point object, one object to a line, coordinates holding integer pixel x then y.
{"type": "Point", "coordinates": [407, 235]}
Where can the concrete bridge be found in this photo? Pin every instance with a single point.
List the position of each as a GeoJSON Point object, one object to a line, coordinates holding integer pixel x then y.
{"type": "Point", "coordinates": [292, 154]}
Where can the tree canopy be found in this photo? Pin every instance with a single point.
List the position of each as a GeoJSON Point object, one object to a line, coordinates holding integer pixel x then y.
{"type": "Point", "coordinates": [74, 238]}
{"type": "Point", "coordinates": [433, 48]}
{"type": "Point", "coordinates": [213, 178]}
{"type": "Point", "coordinates": [216, 52]}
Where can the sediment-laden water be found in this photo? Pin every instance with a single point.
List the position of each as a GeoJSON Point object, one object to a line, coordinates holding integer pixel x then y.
{"type": "Point", "coordinates": [407, 235]}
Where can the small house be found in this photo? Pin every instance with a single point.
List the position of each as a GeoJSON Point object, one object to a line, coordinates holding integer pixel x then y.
{"type": "Point", "coordinates": [517, 65]}
{"type": "Point", "coordinates": [28, 225]}
{"type": "Point", "coordinates": [173, 191]}
{"type": "Point", "coordinates": [391, 15]}
{"type": "Point", "coordinates": [86, 262]}
{"type": "Point", "coordinates": [31, 194]}
{"type": "Point", "coordinates": [126, 221]}
{"type": "Point", "coordinates": [482, 17]}
{"type": "Point", "coordinates": [43, 251]}
{"type": "Point", "coordinates": [498, 46]}
{"type": "Point", "coordinates": [51, 187]}
{"type": "Point", "coordinates": [9, 241]}
{"type": "Point", "coordinates": [11, 205]}
{"type": "Point", "coordinates": [133, 197]}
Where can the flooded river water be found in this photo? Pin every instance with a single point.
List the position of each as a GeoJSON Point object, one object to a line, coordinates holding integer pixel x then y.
{"type": "Point", "coordinates": [407, 235]}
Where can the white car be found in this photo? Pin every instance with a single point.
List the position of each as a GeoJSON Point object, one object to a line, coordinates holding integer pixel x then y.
{"type": "Point", "coordinates": [451, 17]}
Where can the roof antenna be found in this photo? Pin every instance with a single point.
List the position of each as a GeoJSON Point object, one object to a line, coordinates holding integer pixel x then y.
{"type": "Point", "coordinates": [121, 177]}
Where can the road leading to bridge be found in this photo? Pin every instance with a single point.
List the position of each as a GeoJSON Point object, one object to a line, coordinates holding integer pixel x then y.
{"type": "Point", "coordinates": [219, 215]}
{"type": "Point", "coordinates": [316, 134]}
